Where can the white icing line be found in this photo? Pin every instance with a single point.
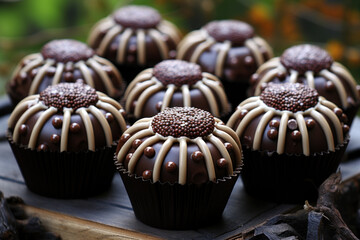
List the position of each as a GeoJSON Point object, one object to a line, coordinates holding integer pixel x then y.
{"type": "Point", "coordinates": [161, 157]}
{"type": "Point", "coordinates": [266, 78]}
{"type": "Point", "coordinates": [109, 100]}
{"type": "Point", "coordinates": [168, 96]}
{"type": "Point", "coordinates": [338, 84]}
{"type": "Point", "coordinates": [144, 96]}
{"type": "Point", "coordinates": [120, 57]}
{"type": "Point", "coordinates": [39, 76]}
{"type": "Point", "coordinates": [86, 73]}
{"type": "Point", "coordinates": [110, 88]}
{"type": "Point", "coordinates": [20, 64]}
{"type": "Point", "coordinates": [325, 127]}
{"type": "Point", "coordinates": [106, 62]}
{"type": "Point", "coordinates": [20, 108]}
{"type": "Point", "coordinates": [340, 70]}
{"type": "Point", "coordinates": [280, 148]}
{"type": "Point", "coordinates": [220, 60]}
{"type": "Point", "coordinates": [272, 63]}
{"type": "Point", "coordinates": [228, 131]}
{"type": "Point", "coordinates": [254, 49]}
{"type": "Point", "coordinates": [188, 42]}
{"type": "Point", "coordinates": [58, 73]}
{"type": "Point", "coordinates": [186, 95]}
{"type": "Point", "coordinates": [233, 141]}
{"type": "Point", "coordinates": [138, 89]}
{"type": "Point", "coordinates": [104, 124]}
{"type": "Point", "coordinates": [246, 120]}
{"type": "Point", "coordinates": [260, 129]}
{"type": "Point", "coordinates": [210, 98]}
{"type": "Point", "coordinates": [65, 129]}
{"type": "Point", "coordinates": [216, 86]}
{"type": "Point", "coordinates": [34, 63]}
{"type": "Point", "coordinates": [160, 43]}
{"type": "Point", "coordinates": [200, 49]}
{"type": "Point", "coordinates": [261, 42]}
{"type": "Point", "coordinates": [170, 29]}
{"type": "Point", "coordinates": [182, 160]}
{"type": "Point", "coordinates": [39, 125]}
{"type": "Point", "coordinates": [249, 100]}
{"type": "Point", "coordinates": [141, 77]}
{"type": "Point", "coordinates": [88, 127]}
{"type": "Point", "coordinates": [304, 134]}
{"type": "Point", "coordinates": [104, 44]}
{"type": "Point", "coordinates": [103, 24]}
{"type": "Point", "coordinates": [293, 76]}
{"type": "Point", "coordinates": [208, 158]}
{"type": "Point", "coordinates": [335, 120]}
{"type": "Point", "coordinates": [223, 151]}
{"type": "Point", "coordinates": [310, 79]}
{"type": "Point", "coordinates": [140, 41]}
{"type": "Point", "coordinates": [114, 111]}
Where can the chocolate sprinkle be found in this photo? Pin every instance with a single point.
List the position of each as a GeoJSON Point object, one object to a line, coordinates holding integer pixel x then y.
{"type": "Point", "coordinates": [231, 30]}
{"type": "Point", "coordinates": [57, 122]}
{"type": "Point", "coordinates": [306, 57]}
{"type": "Point", "coordinates": [137, 17]}
{"type": "Point", "coordinates": [67, 50]}
{"type": "Point", "coordinates": [183, 121]}
{"type": "Point", "coordinates": [289, 97]}
{"type": "Point", "coordinates": [177, 72]}
{"type": "Point", "coordinates": [197, 156]}
{"type": "Point", "coordinates": [170, 166]}
{"type": "Point", "coordinates": [146, 174]}
{"type": "Point", "coordinates": [69, 95]}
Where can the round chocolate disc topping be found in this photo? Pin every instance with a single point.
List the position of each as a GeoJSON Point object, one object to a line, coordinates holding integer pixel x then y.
{"type": "Point", "coordinates": [183, 121]}
{"type": "Point", "coordinates": [292, 97]}
{"type": "Point", "coordinates": [306, 57]}
{"type": "Point", "coordinates": [137, 17]}
{"type": "Point", "coordinates": [67, 50]}
{"type": "Point", "coordinates": [69, 95]}
{"type": "Point", "coordinates": [232, 30]}
{"type": "Point", "coordinates": [177, 72]}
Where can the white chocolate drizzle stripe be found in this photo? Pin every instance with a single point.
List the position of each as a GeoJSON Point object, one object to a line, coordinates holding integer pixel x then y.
{"type": "Point", "coordinates": [105, 98]}
{"type": "Point", "coordinates": [261, 42]}
{"type": "Point", "coordinates": [102, 25]}
{"type": "Point", "coordinates": [20, 108]}
{"type": "Point", "coordinates": [210, 77]}
{"type": "Point", "coordinates": [260, 129]}
{"type": "Point", "coordinates": [19, 66]}
{"type": "Point", "coordinates": [272, 63]}
{"type": "Point", "coordinates": [141, 53]}
{"type": "Point", "coordinates": [293, 76]}
{"type": "Point", "coordinates": [223, 151]}
{"type": "Point", "coordinates": [106, 62]}
{"type": "Point", "coordinates": [186, 95]}
{"type": "Point", "coordinates": [125, 148]}
{"type": "Point", "coordinates": [168, 96]}
{"type": "Point", "coordinates": [215, 86]}
{"type": "Point", "coordinates": [326, 129]}
{"type": "Point", "coordinates": [304, 134]}
{"type": "Point", "coordinates": [246, 120]}
{"type": "Point", "coordinates": [249, 100]}
{"type": "Point", "coordinates": [335, 120]}
{"type": "Point", "coordinates": [141, 77]}
{"type": "Point", "coordinates": [115, 30]}
{"type": "Point", "coordinates": [39, 125]}
{"type": "Point", "coordinates": [58, 73]}
{"type": "Point", "coordinates": [138, 89]}
{"type": "Point", "coordinates": [86, 73]}
{"type": "Point", "coordinates": [339, 87]}
{"type": "Point", "coordinates": [327, 103]}
{"type": "Point", "coordinates": [182, 160]}
{"type": "Point", "coordinates": [208, 158]}
{"type": "Point", "coordinates": [33, 64]}
{"type": "Point", "coordinates": [237, 147]}
{"type": "Point", "coordinates": [120, 57]}
{"type": "Point", "coordinates": [310, 79]}
{"type": "Point", "coordinates": [340, 70]}
{"type": "Point", "coordinates": [210, 98]}
{"type": "Point", "coordinates": [159, 42]}
{"type": "Point", "coordinates": [228, 131]}
{"type": "Point", "coordinates": [39, 76]}
{"type": "Point", "coordinates": [200, 49]}
{"type": "Point", "coordinates": [161, 157]}
{"type": "Point", "coordinates": [144, 96]}
{"type": "Point", "coordinates": [110, 88]}
{"type": "Point", "coordinates": [254, 49]}
{"type": "Point", "coordinates": [139, 126]}
{"type": "Point", "coordinates": [104, 124]}
{"type": "Point", "coordinates": [280, 148]}
{"type": "Point", "coordinates": [171, 30]}
{"type": "Point", "coordinates": [139, 151]}
{"type": "Point", "coordinates": [221, 57]}
{"type": "Point", "coordinates": [88, 127]}
{"type": "Point", "coordinates": [31, 111]}
{"type": "Point", "coordinates": [266, 78]}
{"type": "Point", "coordinates": [188, 42]}
{"type": "Point", "coordinates": [114, 111]}
{"type": "Point", "coordinates": [65, 129]}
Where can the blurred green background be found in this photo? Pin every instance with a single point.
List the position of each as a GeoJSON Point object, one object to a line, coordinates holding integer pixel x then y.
{"type": "Point", "coordinates": [333, 24]}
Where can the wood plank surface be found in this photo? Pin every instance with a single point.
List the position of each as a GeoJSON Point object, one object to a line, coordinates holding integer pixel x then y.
{"type": "Point", "coordinates": [110, 216]}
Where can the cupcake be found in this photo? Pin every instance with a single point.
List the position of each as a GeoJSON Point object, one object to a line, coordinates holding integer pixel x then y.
{"type": "Point", "coordinates": [230, 50]}
{"type": "Point", "coordinates": [174, 83]}
{"type": "Point", "coordinates": [292, 141]}
{"type": "Point", "coordinates": [64, 140]}
{"type": "Point", "coordinates": [179, 167]}
{"type": "Point", "coordinates": [134, 38]}
{"type": "Point", "coordinates": [64, 60]}
{"type": "Point", "coordinates": [312, 66]}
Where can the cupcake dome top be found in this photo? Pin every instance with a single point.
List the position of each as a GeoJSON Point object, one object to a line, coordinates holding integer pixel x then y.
{"type": "Point", "coordinates": [67, 50]}
{"type": "Point", "coordinates": [137, 17]}
{"type": "Point", "coordinates": [229, 30]}
{"type": "Point", "coordinates": [67, 117]}
{"type": "Point", "coordinates": [163, 148]}
{"type": "Point", "coordinates": [177, 72]}
{"type": "Point", "coordinates": [188, 122]}
{"type": "Point", "coordinates": [289, 97]}
{"type": "Point", "coordinates": [306, 57]}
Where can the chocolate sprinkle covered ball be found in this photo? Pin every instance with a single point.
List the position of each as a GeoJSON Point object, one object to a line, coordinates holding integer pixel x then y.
{"type": "Point", "coordinates": [289, 97]}
{"type": "Point", "coordinates": [234, 31]}
{"type": "Point", "coordinates": [303, 58]}
{"type": "Point", "coordinates": [67, 95]}
{"type": "Point", "coordinates": [137, 17]}
{"type": "Point", "coordinates": [177, 72]}
{"type": "Point", "coordinates": [312, 66]}
{"type": "Point", "coordinates": [67, 50]}
{"type": "Point", "coordinates": [62, 61]}
{"type": "Point", "coordinates": [174, 83]}
{"type": "Point", "coordinates": [189, 122]}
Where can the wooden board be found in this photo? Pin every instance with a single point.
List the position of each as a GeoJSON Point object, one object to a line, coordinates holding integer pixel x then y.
{"type": "Point", "coordinates": [110, 216]}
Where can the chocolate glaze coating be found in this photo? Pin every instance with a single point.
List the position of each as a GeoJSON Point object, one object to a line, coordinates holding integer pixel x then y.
{"type": "Point", "coordinates": [306, 57]}
{"type": "Point", "coordinates": [177, 72]}
{"type": "Point", "coordinates": [67, 50]}
{"type": "Point", "coordinates": [229, 30]}
{"type": "Point", "coordinates": [137, 17]}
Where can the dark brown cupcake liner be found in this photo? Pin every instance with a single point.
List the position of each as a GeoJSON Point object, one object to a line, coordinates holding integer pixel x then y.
{"type": "Point", "coordinates": [351, 113]}
{"type": "Point", "coordinates": [175, 206]}
{"type": "Point", "coordinates": [66, 174]}
{"type": "Point", "coordinates": [288, 178]}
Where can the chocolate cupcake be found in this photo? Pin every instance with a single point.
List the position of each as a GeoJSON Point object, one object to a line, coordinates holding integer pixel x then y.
{"type": "Point", "coordinates": [292, 141]}
{"type": "Point", "coordinates": [179, 167]}
{"type": "Point", "coordinates": [312, 66]}
{"type": "Point", "coordinates": [64, 140]}
{"type": "Point", "coordinates": [64, 61]}
{"type": "Point", "coordinates": [175, 83]}
{"type": "Point", "coordinates": [134, 38]}
{"type": "Point", "coordinates": [230, 50]}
